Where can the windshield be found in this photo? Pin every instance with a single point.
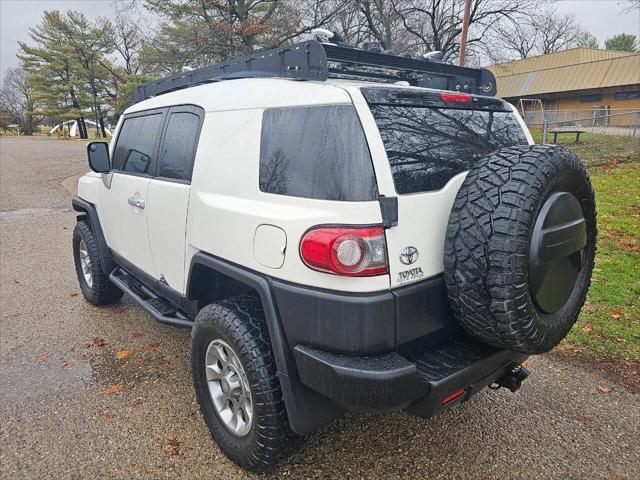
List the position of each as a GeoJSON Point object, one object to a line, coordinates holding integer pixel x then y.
{"type": "Point", "coordinates": [428, 146]}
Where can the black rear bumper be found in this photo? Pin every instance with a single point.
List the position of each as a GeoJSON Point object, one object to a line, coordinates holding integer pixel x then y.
{"type": "Point", "coordinates": [386, 350]}
{"type": "Point", "coordinates": [427, 384]}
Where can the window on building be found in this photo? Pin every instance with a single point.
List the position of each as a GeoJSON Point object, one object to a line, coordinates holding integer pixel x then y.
{"type": "Point", "coordinates": [631, 95]}
{"type": "Point", "coordinates": [594, 97]}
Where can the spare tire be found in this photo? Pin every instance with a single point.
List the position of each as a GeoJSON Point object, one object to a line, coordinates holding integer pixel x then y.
{"type": "Point", "coordinates": [520, 247]}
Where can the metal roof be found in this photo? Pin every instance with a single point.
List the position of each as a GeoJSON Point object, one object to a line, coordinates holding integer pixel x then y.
{"type": "Point", "coordinates": [575, 69]}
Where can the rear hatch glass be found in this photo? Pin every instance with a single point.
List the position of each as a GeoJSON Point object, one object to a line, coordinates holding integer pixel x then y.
{"type": "Point", "coordinates": [429, 144]}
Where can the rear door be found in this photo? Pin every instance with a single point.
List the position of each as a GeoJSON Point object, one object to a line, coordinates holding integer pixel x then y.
{"type": "Point", "coordinates": [169, 193]}
{"type": "Point", "coordinates": [124, 205]}
{"type": "Point", "coordinates": [426, 145]}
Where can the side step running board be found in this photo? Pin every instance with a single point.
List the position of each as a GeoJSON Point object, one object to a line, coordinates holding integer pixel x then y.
{"type": "Point", "coordinates": [156, 306]}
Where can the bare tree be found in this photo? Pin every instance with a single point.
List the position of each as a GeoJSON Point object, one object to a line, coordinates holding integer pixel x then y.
{"type": "Point", "coordinates": [16, 98]}
{"type": "Point", "coordinates": [539, 33]}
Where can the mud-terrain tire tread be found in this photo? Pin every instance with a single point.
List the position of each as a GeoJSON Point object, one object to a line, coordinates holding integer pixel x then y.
{"type": "Point", "coordinates": [487, 244]}
{"type": "Point", "coordinates": [103, 291]}
{"type": "Point", "coordinates": [240, 322]}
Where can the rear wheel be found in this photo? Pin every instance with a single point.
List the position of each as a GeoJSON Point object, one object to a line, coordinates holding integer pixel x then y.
{"type": "Point", "coordinates": [94, 281]}
{"type": "Point", "coordinates": [237, 386]}
{"type": "Point", "coordinates": [520, 247]}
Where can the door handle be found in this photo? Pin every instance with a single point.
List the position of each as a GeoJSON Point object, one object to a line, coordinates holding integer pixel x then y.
{"type": "Point", "coordinates": [136, 202]}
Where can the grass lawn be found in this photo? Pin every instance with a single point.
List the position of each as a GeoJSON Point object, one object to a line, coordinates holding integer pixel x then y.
{"type": "Point", "coordinates": [597, 148]}
{"type": "Point", "coordinates": [610, 320]}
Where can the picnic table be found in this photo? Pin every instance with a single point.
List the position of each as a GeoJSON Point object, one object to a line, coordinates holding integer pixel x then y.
{"type": "Point", "coordinates": [557, 132]}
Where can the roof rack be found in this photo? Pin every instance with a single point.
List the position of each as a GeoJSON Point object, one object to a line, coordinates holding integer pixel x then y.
{"type": "Point", "coordinates": [312, 60]}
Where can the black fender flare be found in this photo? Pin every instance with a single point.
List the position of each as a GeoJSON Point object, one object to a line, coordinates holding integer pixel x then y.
{"type": "Point", "coordinates": [306, 409]}
{"type": "Point", "coordinates": [88, 210]}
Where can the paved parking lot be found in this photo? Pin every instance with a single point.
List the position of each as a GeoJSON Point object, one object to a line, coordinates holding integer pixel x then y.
{"type": "Point", "coordinates": [70, 409]}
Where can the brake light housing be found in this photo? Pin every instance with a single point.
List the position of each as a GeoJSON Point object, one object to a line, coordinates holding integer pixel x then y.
{"type": "Point", "coordinates": [455, 97]}
{"type": "Point", "coordinates": [354, 251]}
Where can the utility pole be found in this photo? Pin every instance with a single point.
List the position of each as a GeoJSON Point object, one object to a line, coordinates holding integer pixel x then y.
{"type": "Point", "coordinates": [465, 31]}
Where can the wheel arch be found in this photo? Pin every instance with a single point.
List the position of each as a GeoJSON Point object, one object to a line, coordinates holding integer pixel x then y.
{"type": "Point", "coordinates": [306, 409]}
{"type": "Point", "coordinates": [88, 210]}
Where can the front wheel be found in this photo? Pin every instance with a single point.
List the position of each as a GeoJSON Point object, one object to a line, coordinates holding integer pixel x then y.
{"type": "Point", "coordinates": [94, 282]}
{"type": "Point", "coordinates": [237, 384]}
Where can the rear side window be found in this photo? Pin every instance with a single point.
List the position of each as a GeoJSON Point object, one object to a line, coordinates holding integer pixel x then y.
{"type": "Point", "coordinates": [316, 152]}
{"type": "Point", "coordinates": [135, 147]}
{"type": "Point", "coordinates": [179, 146]}
{"type": "Point", "coordinates": [428, 146]}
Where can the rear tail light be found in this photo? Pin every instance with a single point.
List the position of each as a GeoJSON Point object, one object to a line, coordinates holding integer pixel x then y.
{"type": "Point", "coordinates": [349, 251]}
{"type": "Point", "coordinates": [455, 97]}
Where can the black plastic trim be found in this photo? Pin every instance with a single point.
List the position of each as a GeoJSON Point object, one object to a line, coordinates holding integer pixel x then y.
{"type": "Point", "coordinates": [306, 409]}
{"type": "Point", "coordinates": [381, 383]}
{"type": "Point", "coordinates": [390, 381]}
{"type": "Point", "coordinates": [389, 211]}
{"type": "Point", "coordinates": [89, 209]}
{"type": "Point", "coordinates": [336, 321]}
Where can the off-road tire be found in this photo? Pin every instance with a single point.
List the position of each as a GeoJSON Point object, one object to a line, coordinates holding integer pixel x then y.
{"type": "Point", "coordinates": [102, 291]}
{"type": "Point", "coordinates": [240, 322]}
{"type": "Point", "coordinates": [488, 240]}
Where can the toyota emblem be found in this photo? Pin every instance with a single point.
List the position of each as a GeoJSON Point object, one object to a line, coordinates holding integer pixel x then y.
{"type": "Point", "coordinates": [409, 255]}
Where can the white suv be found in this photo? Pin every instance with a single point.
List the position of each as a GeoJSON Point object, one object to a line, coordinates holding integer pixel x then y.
{"type": "Point", "coordinates": [335, 243]}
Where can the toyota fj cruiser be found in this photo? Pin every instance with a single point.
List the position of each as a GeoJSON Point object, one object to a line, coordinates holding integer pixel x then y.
{"type": "Point", "coordinates": [341, 229]}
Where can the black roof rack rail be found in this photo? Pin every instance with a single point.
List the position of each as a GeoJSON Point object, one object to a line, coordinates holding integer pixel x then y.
{"type": "Point", "coordinates": [312, 60]}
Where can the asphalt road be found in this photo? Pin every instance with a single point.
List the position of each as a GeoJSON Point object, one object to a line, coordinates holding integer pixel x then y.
{"type": "Point", "coordinates": [58, 364]}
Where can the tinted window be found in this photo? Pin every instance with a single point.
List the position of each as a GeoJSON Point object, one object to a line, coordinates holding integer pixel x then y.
{"type": "Point", "coordinates": [428, 146]}
{"type": "Point", "coordinates": [179, 146]}
{"type": "Point", "coordinates": [632, 95]}
{"type": "Point", "coordinates": [134, 150]}
{"type": "Point", "coordinates": [316, 152]}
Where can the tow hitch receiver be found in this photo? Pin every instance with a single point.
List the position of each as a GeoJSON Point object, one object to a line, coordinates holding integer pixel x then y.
{"type": "Point", "coordinates": [512, 380]}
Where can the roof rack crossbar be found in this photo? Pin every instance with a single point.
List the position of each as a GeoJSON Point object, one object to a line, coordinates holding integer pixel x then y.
{"type": "Point", "coordinates": [312, 60]}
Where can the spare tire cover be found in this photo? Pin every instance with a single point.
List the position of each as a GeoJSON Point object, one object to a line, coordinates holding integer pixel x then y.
{"type": "Point", "coordinates": [520, 247]}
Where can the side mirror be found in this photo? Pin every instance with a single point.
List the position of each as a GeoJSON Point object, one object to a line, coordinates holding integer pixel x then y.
{"type": "Point", "coordinates": [98, 153]}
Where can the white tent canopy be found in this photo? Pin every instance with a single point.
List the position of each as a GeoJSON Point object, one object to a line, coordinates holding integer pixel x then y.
{"type": "Point", "coordinates": [73, 129]}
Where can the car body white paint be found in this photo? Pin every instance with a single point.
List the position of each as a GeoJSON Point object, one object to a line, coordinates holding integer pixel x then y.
{"type": "Point", "coordinates": [222, 209]}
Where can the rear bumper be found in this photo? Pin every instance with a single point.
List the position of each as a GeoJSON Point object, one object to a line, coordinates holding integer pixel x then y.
{"type": "Point", "coordinates": [426, 385]}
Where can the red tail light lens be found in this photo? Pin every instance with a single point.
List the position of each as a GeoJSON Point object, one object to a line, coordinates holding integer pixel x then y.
{"type": "Point", "coordinates": [455, 97]}
{"type": "Point", "coordinates": [349, 251]}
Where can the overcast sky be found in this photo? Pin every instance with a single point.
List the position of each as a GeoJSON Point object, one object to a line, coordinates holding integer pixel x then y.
{"type": "Point", "coordinates": [603, 18]}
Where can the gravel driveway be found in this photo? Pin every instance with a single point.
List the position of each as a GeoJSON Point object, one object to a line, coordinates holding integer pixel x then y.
{"type": "Point", "coordinates": [71, 410]}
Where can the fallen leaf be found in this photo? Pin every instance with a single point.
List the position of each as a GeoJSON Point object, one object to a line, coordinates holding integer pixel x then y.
{"type": "Point", "coordinates": [171, 447]}
{"type": "Point", "coordinates": [616, 314]}
{"type": "Point", "coordinates": [107, 417]}
{"type": "Point", "coordinates": [124, 354]}
{"type": "Point", "coordinates": [99, 342]}
{"type": "Point", "coordinates": [69, 363]}
{"type": "Point", "coordinates": [64, 228]}
{"type": "Point", "coordinates": [602, 389]}
{"type": "Point", "coordinates": [587, 329]}
{"type": "Point", "coordinates": [137, 334]}
{"type": "Point", "coordinates": [115, 388]}
{"type": "Point", "coordinates": [525, 363]}
{"type": "Point", "coordinates": [43, 316]}
{"type": "Point", "coordinates": [42, 356]}
{"type": "Point", "coordinates": [153, 345]}
{"type": "Point", "coordinates": [583, 418]}
{"type": "Point", "coordinates": [73, 294]}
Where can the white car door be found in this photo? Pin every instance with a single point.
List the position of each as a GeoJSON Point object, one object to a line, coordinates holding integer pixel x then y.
{"type": "Point", "coordinates": [124, 204]}
{"type": "Point", "coordinates": [169, 192]}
